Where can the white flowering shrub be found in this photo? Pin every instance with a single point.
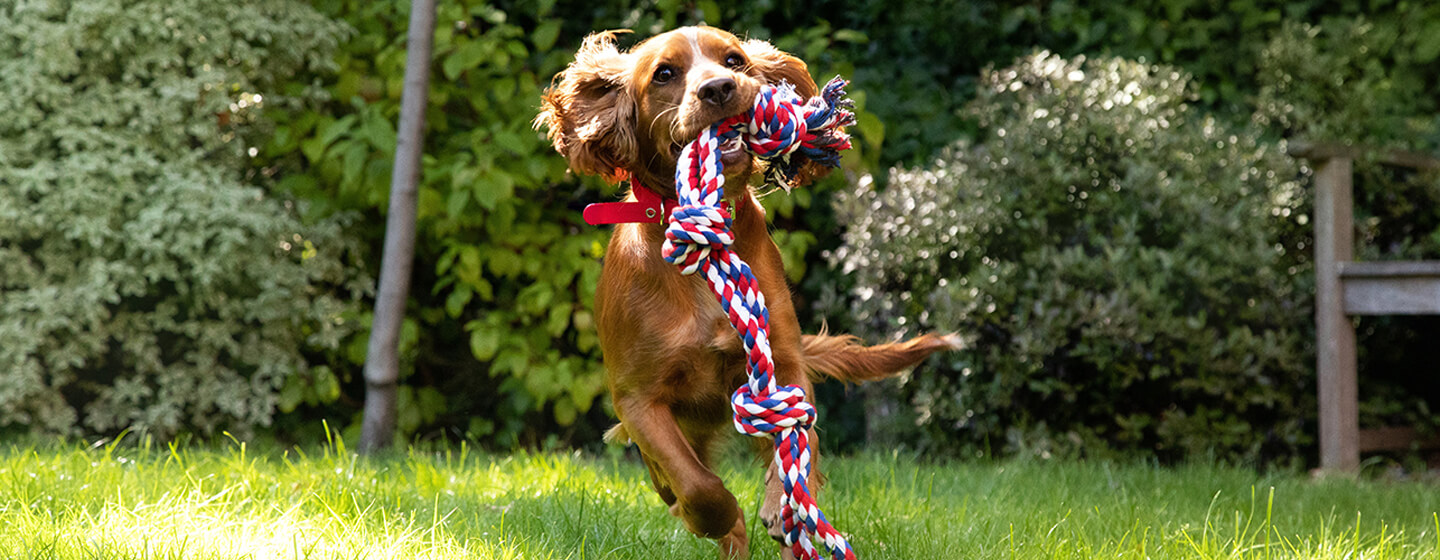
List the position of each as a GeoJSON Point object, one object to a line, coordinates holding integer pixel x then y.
{"type": "Point", "coordinates": [1115, 260]}
{"type": "Point", "coordinates": [146, 282]}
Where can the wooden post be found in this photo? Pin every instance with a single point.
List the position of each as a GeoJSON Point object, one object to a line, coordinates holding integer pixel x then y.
{"type": "Point", "coordinates": [1335, 334]}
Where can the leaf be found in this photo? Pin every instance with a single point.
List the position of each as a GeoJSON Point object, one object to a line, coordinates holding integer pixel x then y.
{"type": "Point", "coordinates": [535, 298]}
{"type": "Point", "coordinates": [456, 202]}
{"type": "Point", "coordinates": [430, 403]}
{"type": "Point", "coordinates": [851, 36]}
{"type": "Point", "coordinates": [331, 131]}
{"type": "Point", "coordinates": [513, 360]}
{"type": "Point", "coordinates": [327, 385]}
{"type": "Point", "coordinates": [467, 266]}
{"type": "Point", "coordinates": [313, 148]}
{"type": "Point", "coordinates": [457, 300]}
{"type": "Point", "coordinates": [468, 55]}
{"type": "Point", "coordinates": [409, 339]}
{"type": "Point", "coordinates": [545, 34]}
{"type": "Point", "coordinates": [711, 11]}
{"type": "Point", "coordinates": [429, 203]}
{"type": "Point", "coordinates": [354, 157]}
{"type": "Point", "coordinates": [486, 291]}
{"type": "Point", "coordinates": [493, 186]}
{"type": "Point", "coordinates": [292, 394]}
{"type": "Point", "coordinates": [379, 133]}
{"type": "Point", "coordinates": [559, 320]}
{"type": "Point", "coordinates": [407, 414]}
{"type": "Point", "coordinates": [1427, 48]}
{"type": "Point", "coordinates": [872, 129]}
{"type": "Point", "coordinates": [358, 346]}
{"type": "Point", "coordinates": [510, 140]}
{"type": "Point", "coordinates": [503, 262]}
{"type": "Point", "coordinates": [565, 412]}
{"type": "Point", "coordinates": [484, 341]}
{"type": "Point", "coordinates": [480, 427]}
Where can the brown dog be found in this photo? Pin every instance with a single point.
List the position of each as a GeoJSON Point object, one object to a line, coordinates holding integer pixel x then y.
{"type": "Point", "coordinates": [672, 357]}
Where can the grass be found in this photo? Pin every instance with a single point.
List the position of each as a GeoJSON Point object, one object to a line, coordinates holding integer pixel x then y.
{"type": "Point", "coordinates": [60, 501]}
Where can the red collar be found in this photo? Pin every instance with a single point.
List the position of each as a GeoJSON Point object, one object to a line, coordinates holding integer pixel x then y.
{"type": "Point", "coordinates": [647, 208]}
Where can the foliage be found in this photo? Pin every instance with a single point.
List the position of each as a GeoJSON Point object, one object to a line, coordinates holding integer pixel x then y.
{"type": "Point", "coordinates": [72, 502]}
{"type": "Point", "coordinates": [1349, 81]}
{"type": "Point", "coordinates": [1114, 257]}
{"type": "Point", "coordinates": [145, 282]}
{"type": "Point", "coordinates": [502, 345]}
{"type": "Point", "coordinates": [1363, 83]}
{"type": "Point", "coordinates": [499, 344]}
{"type": "Point", "coordinates": [919, 62]}
{"type": "Point", "coordinates": [504, 266]}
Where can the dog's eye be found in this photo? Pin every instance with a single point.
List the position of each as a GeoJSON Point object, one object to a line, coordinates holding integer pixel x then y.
{"type": "Point", "coordinates": [664, 74]}
{"type": "Point", "coordinates": [734, 61]}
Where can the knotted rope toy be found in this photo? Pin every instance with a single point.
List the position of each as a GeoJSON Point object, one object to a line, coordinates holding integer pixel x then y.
{"type": "Point", "coordinates": [698, 239]}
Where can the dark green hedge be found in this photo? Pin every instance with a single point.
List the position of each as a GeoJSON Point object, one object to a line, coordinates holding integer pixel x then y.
{"type": "Point", "coordinates": [499, 346]}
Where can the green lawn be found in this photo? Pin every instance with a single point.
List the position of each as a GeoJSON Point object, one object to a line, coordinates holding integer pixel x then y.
{"type": "Point", "coordinates": [70, 502]}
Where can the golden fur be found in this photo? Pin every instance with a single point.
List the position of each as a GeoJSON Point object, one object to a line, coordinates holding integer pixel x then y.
{"type": "Point", "coordinates": [671, 356]}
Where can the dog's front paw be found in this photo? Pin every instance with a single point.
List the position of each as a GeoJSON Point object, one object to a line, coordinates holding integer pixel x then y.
{"type": "Point", "coordinates": [773, 525]}
{"type": "Point", "coordinates": [770, 510]}
{"type": "Point", "coordinates": [776, 529]}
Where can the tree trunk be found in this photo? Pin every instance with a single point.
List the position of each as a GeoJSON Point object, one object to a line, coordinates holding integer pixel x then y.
{"type": "Point", "coordinates": [382, 360]}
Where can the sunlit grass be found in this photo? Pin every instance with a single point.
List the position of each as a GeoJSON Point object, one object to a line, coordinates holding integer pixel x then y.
{"type": "Point", "coordinates": [161, 502]}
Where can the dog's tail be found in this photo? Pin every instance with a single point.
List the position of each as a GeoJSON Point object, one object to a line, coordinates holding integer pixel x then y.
{"type": "Point", "coordinates": [845, 358]}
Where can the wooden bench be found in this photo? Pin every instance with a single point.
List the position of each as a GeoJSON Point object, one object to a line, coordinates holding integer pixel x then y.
{"type": "Point", "coordinates": [1345, 287]}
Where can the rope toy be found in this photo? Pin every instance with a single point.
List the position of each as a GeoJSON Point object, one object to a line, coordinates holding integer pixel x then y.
{"type": "Point", "coordinates": [698, 239]}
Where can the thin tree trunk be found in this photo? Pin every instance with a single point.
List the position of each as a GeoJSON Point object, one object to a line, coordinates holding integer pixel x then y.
{"type": "Point", "coordinates": [382, 360]}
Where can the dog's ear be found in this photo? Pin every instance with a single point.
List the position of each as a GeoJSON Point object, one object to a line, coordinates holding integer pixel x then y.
{"type": "Point", "coordinates": [776, 66]}
{"type": "Point", "coordinates": [590, 111]}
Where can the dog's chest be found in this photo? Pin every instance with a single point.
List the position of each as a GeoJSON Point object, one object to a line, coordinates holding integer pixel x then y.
{"type": "Point", "coordinates": [707, 307]}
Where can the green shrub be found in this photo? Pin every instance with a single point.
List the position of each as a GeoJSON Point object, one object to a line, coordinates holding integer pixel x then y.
{"type": "Point", "coordinates": [502, 345]}
{"type": "Point", "coordinates": [919, 64]}
{"type": "Point", "coordinates": [497, 344]}
{"type": "Point", "coordinates": [504, 264]}
{"type": "Point", "coordinates": [145, 282]}
{"type": "Point", "coordinates": [1348, 80]}
{"type": "Point", "coordinates": [1364, 83]}
{"type": "Point", "coordinates": [1114, 259]}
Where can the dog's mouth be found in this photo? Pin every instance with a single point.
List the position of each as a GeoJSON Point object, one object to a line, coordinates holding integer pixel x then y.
{"type": "Point", "coordinates": [732, 153]}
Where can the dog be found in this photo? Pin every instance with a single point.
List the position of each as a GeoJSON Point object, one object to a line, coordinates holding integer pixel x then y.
{"type": "Point", "coordinates": [671, 356]}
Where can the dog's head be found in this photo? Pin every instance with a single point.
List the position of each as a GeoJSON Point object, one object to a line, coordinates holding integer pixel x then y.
{"type": "Point", "coordinates": [613, 111]}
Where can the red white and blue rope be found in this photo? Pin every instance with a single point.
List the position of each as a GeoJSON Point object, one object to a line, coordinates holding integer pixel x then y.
{"type": "Point", "coordinates": [698, 239]}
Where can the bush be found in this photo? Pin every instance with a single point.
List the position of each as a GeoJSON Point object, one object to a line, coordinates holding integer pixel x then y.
{"type": "Point", "coordinates": [504, 265]}
{"type": "Point", "coordinates": [1114, 258]}
{"type": "Point", "coordinates": [502, 345]}
{"type": "Point", "coordinates": [145, 282]}
{"type": "Point", "coordinates": [1362, 82]}
{"type": "Point", "coordinates": [918, 77]}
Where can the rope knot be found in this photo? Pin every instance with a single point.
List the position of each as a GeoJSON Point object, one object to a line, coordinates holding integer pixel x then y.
{"type": "Point", "coordinates": [787, 131]}
{"type": "Point", "coordinates": [772, 414]}
{"type": "Point", "coordinates": [777, 126]}
{"type": "Point", "coordinates": [695, 231]}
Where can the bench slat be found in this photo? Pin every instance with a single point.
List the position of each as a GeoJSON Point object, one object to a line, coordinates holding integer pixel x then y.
{"type": "Point", "coordinates": [1398, 291]}
{"type": "Point", "coordinates": [1389, 269]}
{"type": "Point", "coordinates": [1396, 439]}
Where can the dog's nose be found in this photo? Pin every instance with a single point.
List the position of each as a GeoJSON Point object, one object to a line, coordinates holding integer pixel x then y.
{"type": "Point", "coordinates": [717, 91]}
